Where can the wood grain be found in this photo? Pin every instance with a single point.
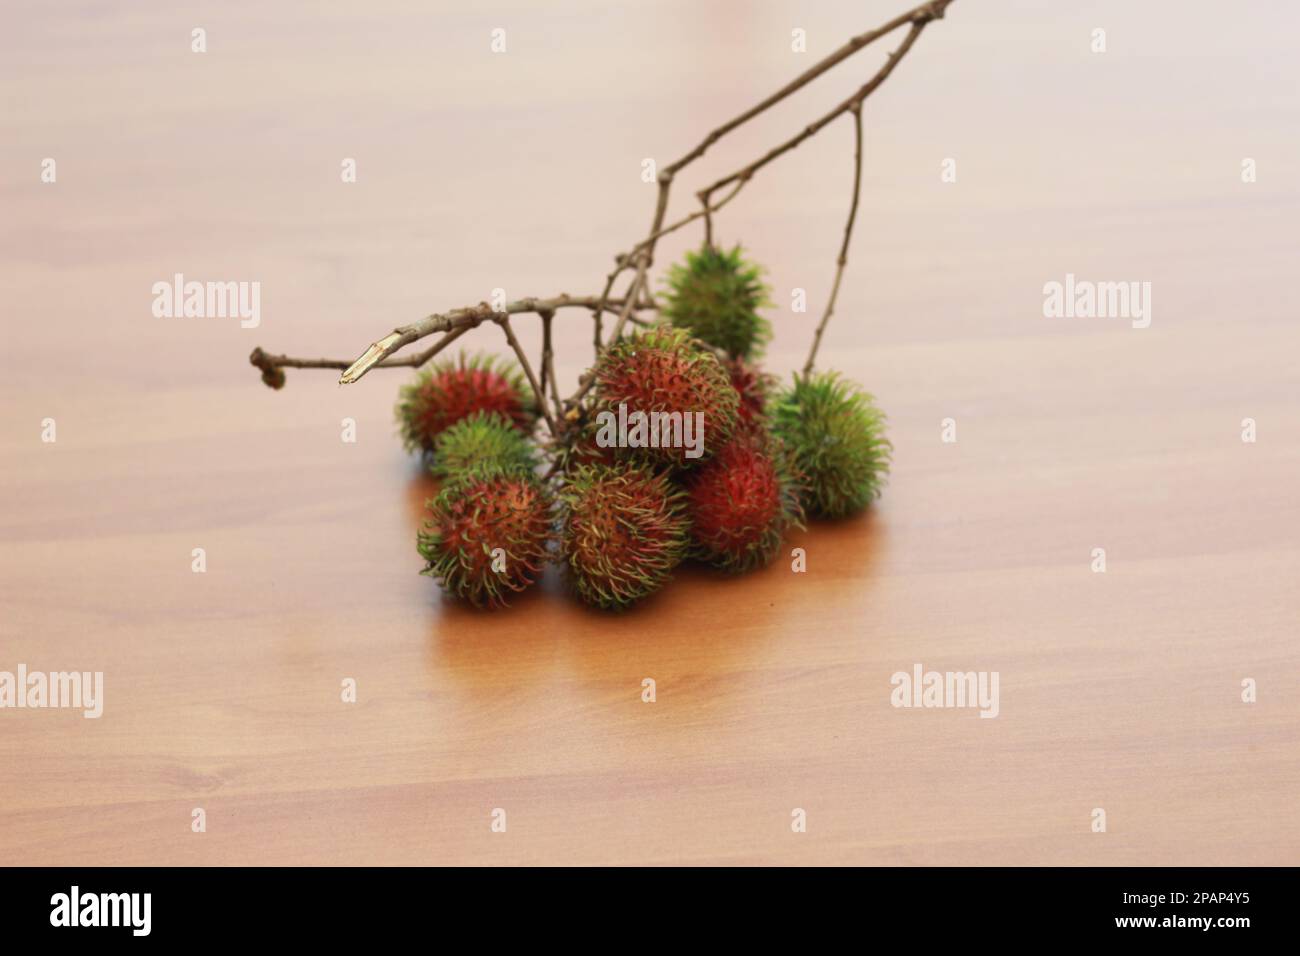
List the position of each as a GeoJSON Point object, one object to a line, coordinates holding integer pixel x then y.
{"type": "Point", "coordinates": [1118, 690]}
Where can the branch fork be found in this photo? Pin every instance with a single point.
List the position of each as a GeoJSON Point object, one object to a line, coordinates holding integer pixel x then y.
{"type": "Point", "coordinates": [637, 297]}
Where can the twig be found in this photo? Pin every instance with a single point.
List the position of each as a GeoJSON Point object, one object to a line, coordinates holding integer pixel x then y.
{"type": "Point", "coordinates": [503, 320]}
{"type": "Point", "coordinates": [843, 259]}
{"type": "Point", "coordinates": [266, 361]}
{"type": "Point", "coordinates": [548, 363]}
{"type": "Point", "coordinates": [641, 257]}
{"type": "Point", "coordinates": [467, 317]}
{"type": "Point", "coordinates": [604, 301]}
{"type": "Point", "coordinates": [633, 291]}
{"type": "Point", "coordinates": [703, 213]}
{"type": "Point", "coordinates": [851, 104]}
{"type": "Point", "coordinates": [918, 17]}
{"type": "Point", "coordinates": [629, 300]}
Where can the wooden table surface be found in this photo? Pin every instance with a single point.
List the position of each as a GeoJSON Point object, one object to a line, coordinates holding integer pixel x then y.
{"type": "Point", "coordinates": [1119, 690]}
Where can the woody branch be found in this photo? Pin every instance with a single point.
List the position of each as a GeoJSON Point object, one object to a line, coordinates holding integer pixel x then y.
{"type": "Point", "coordinates": [638, 260]}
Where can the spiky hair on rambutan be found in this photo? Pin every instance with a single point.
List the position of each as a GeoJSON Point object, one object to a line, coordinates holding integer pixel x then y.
{"type": "Point", "coordinates": [715, 296]}
{"type": "Point", "coordinates": [662, 371]}
{"type": "Point", "coordinates": [754, 386]}
{"type": "Point", "coordinates": [487, 535]}
{"type": "Point", "coordinates": [483, 439]}
{"type": "Point", "coordinates": [584, 449]}
{"type": "Point", "coordinates": [451, 390]}
{"type": "Point", "coordinates": [623, 529]}
{"type": "Point", "coordinates": [742, 501]}
{"type": "Point", "coordinates": [837, 437]}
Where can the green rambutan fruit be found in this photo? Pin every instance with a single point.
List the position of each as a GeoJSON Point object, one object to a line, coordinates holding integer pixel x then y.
{"type": "Point", "coordinates": [487, 534]}
{"type": "Point", "coordinates": [662, 372]}
{"type": "Point", "coordinates": [837, 437]}
{"type": "Point", "coordinates": [753, 385]}
{"type": "Point", "coordinates": [623, 529]}
{"type": "Point", "coordinates": [716, 296]}
{"type": "Point", "coordinates": [451, 390]}
{"type": "Point", "coordinates": [741, 501]}
{"type": "Point", "coordinates": [482, 439]}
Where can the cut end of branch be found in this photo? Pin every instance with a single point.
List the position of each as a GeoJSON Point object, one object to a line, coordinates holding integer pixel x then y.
{"type": "Point", "coordinates": [377, 352]}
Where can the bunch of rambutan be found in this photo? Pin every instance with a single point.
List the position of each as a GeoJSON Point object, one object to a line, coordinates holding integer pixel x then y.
{"type": "Point", "coordinates": [619, 516]}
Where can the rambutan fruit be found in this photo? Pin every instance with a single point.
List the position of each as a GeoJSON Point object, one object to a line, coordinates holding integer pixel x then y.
{"type": "Point", "coordinates": [753, 385]}
{"type": "Point", "coordinates": [623, 529]}
{"type": "Point", "coordinates": [715, 296]}
{"type": "Point", "coordinates": [486, 535]}
{"type": "Point", "coordinates": [586, 450]}
{"type": "Point", "coordinates": [837, 437]}
{"type": "Point", "coordinates": [482, 439]}
{"type": "Point", "coordinates": [742, 501]}
{"type": "Point", "coordinates": [451, 390]}
{"type": "Point", "coordinates": [663, 373]}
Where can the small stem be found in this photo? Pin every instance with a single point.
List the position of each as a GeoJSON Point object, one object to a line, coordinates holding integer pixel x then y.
{"type": "Point", "coordinates": [264, 360]}
{"type": "Point", "coordinates": [599, 311]}
{"type": "Point", "coordinates": [503, 319]}
{"type": "Point", "coordinates": [812, 129]}
{"type": "Point", "coordinates": [633, 291]}
{"type": "Point", "coordinates": [548, 364]}
{"type": "Point", "coordinates": [455, 323]}
{"type": "Point", "coordinates": [843, 259]}
{"type": "Point", "coordinates": [431, 351]}
{"type": "Point", "coordinates": [661, 210]}
{"type": "Point", "coordinates": [918, 15]}
{"type": "Point", "coordinates": [684, 221]}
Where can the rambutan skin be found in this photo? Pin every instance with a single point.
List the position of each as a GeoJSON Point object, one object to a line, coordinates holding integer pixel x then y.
{"type": "Point", "coordinates": [715, 295]}
{"type": "Point", "coordinates": [452, 390]}
{"type": "Point", "coordinates": [742, 501]}
{"type": "Point", "coordinates": [754, 386]}
{"type": "Point", "coordinates": [663, 370]}
{"type": "Point", "coordinates": [837, 437]}
{"type": "Point", "coordinates": [584, 449]}
{"type": "Point", "coordinates": [482, 439]}
{"type": "Point", "coordinates": [477, 512]}
{"type": "Point", "coordinates": [623, 530]}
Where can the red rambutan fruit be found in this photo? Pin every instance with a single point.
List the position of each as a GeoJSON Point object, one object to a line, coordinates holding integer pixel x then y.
{"type": "Point", "coordinates": [623, 529]}
{"type": "Point", "coordinates": [487, 534]}
{"type": "Point", "coordinates": [753, 385]}
{"type": "Point", "coordinates": [742, 501]}
{"type": "Point", "coordinates": [662, 371]}
{"type": "Point", "coordinates": [449, 391]}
